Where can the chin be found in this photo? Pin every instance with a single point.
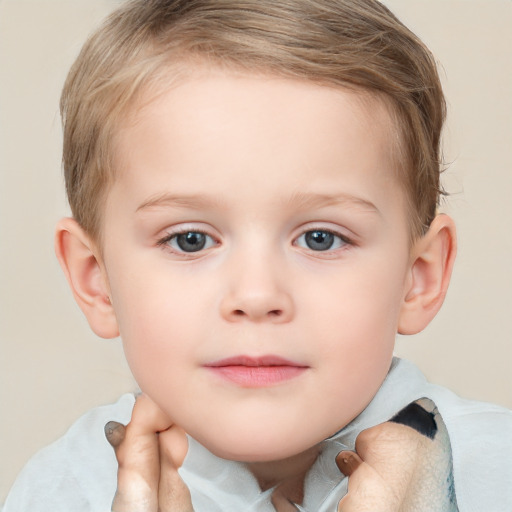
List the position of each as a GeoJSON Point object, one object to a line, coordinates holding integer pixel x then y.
{"type": "Point", "coordinates": [255, 448]}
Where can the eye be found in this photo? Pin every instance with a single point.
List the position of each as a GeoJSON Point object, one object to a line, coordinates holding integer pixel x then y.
{"type": "Point", "coordinates": [321, 240]}
{"type": "Point", "coordinates": [188, 241]}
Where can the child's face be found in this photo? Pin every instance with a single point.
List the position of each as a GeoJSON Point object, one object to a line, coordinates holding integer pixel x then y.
{"type": "Point", "coordinates": [258, 221]}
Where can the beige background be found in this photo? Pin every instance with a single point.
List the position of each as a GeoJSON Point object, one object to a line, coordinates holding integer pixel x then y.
{"type": "Point", "coordinates": [53, 368]}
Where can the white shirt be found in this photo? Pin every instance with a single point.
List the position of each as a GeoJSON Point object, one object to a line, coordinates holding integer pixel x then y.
{"type": "Point", "coordinates": [77, 473]}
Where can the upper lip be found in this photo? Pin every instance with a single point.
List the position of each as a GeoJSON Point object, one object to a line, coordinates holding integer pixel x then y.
{"type": "Point", "coordinates": [266, 360]}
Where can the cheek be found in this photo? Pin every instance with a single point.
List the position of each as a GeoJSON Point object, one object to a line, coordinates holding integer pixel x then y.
{"type": "Point", "coordinates": [159, 326]}
{"type": "Point", "coordinates": [358, 325]}
{"type": "Point", "coordinates": [360, 306]}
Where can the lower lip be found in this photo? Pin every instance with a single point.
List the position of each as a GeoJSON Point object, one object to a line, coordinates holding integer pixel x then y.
{"type": "Point", "coordinates": [257, 376]}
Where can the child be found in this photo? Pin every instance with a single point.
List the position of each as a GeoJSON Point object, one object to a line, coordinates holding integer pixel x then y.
{"type": "Point", "coordinates": [254, 189]}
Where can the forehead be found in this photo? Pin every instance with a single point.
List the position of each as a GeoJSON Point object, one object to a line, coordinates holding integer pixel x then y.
{"type": "Point", "coordinates": [231, 124]}
{"type": "Point", "coordinates": [194, 87]}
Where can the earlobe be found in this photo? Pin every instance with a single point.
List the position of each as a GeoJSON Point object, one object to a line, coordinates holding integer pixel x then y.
{"type": "Point", "coordinates": [431, 266]}
{"type": "Point", "coordinates": [81, 263]}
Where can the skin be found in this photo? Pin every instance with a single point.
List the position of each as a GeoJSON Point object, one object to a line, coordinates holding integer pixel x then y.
{"type": "Point", "coordinates": [150, 451]}
{"type": "Point", "coordinates": [231, 156]}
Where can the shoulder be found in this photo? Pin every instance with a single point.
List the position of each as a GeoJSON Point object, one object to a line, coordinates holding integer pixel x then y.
{"type": "Point", "coordinates": [480, 436]}
{"type": "Point", "coordinates": [481, 441]}
{"type": "Point", "coordinates": [77, 472]}
{"type": "Point", "coordinates": [472, 421]}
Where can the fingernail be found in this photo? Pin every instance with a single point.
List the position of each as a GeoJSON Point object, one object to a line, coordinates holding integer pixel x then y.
{"type": "Point", "coordinates": [114, 432]}
{"type": "Point", "coordinates": [348, 462]}
{"type": "Point", "coordinates": [419, 419]}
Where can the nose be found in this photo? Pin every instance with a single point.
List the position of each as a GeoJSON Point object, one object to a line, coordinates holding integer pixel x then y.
{"type": "Point", "coordinates": [257, 292]}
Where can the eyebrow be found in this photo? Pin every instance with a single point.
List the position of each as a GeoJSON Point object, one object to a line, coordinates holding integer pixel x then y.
{"type": "Point", "coordinates": [299, 200]}
{"type": "Point", "coordinates": [181, 201]}
{"type": "Point", "coordinates": [313, 200]}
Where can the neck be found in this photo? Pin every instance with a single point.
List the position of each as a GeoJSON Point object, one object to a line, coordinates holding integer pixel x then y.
{"type": "Point", "coordinates": [294, 468]}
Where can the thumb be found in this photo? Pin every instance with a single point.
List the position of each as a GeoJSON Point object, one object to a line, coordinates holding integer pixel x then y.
{"type": "Point", "coordinates": [173, 494]}
{"type": "Point", "coordinates": [137, 453]}
{"type": "Point", "coordinates": [367, 491]}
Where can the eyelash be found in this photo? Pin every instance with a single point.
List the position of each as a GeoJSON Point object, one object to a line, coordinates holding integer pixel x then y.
{"type": "Point", "coordinates": [165, 241]}
{"type": "Point", "coordinates": [344, 242]}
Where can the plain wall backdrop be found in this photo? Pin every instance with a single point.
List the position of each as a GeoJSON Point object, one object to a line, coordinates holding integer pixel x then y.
{"type": "Point", "coordinates": [53, 368]}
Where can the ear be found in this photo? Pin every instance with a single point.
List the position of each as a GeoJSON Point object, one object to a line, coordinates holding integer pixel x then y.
{"type": "Point", "coordinates": [81, 262]}
{"type": "Point", "coordinates": [432, 259]}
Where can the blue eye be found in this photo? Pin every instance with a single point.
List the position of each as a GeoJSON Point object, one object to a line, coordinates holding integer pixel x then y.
{"type": "Point", "coordinates": [321, 240]}
{"type": "Point", "coordinates": [189, 241]}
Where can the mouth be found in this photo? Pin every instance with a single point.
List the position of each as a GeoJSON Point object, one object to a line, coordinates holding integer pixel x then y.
{"type": "Point", "coordinates": [255, 372]}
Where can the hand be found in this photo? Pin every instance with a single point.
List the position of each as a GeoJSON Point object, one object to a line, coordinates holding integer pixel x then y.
{"type": "Point", "coordinates": [149, 451]}
{"type": "Point", "coordinates": [382, 472]}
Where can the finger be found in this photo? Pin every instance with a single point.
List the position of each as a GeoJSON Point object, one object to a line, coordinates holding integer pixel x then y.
{"type": "Point", "coordinates": [392, 445]}
{"type": "Point", "coordinates": [381, 471]}
{"type": "Point", "coordinates": [115, 433]}
{"type": "Point", "coordinates": [147, 417]}
{"type": "Point", "coordinates": [367, 490]}
{"type": "Point", "coordinates": [348, 462]}
{"type": "Point", "coordinates": [173, 494]}
{"type": "Point", "coordinates": [138, 458]}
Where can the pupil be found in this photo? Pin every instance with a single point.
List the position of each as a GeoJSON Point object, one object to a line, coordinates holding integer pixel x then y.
{"type": "Point", "coordinates": [319, 240]}
{"type": "Point", "coordinates": [191, 241]}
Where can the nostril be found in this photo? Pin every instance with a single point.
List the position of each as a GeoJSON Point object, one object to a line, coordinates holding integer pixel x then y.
{"type": "Point", "coordinates": [275, 312]}
{"type": "Point", "coordinates": [238, 312]}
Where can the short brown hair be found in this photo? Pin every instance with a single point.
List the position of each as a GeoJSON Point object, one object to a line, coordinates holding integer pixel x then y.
{"type": "Point", "coordinates": [357, 44]}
